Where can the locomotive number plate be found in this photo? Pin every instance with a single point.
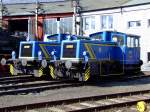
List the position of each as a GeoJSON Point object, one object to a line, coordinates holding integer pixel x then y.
{"type": "Point", "coordinates": [27, 46]}
{"type": "Point", "coordinates": [69, 46]}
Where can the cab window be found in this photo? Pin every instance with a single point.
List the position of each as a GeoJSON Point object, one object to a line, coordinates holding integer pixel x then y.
{"type": "Point", "coordinates": [119, 39]}
{"type": "Point", "coordinates": [132, 41]}
{"type": "Point", "coordinates": [53, 37]}
{"type": "Point", "coordinates": [136, 42]}
{"type": "Point", "coordinates": [97, 37]}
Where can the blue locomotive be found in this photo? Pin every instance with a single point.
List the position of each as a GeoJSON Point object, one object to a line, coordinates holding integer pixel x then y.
{"type": "Point", "coordinates": [106, 53]}
{"type": "Point", "coordinates": [35, 56]}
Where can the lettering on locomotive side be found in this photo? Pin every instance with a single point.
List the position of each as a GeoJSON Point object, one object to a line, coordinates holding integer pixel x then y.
{"type": "Point", "coordinates": [69, 46]}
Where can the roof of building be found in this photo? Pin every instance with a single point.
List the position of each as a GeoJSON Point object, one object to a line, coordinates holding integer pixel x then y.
{"type": "Point", "coordinates": [25, 7]}
{"type": "Point", "coordinates": [136, 2]}
{"type": "Point", "coordinates": [27, 1]}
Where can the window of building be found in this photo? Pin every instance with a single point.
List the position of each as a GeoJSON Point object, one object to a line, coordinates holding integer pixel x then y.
{"type": "Point", "coordinates": [148, 22]}
{"type": "Point", "coordinates": [148, 56]}
{"type": "Point", "coordinates": [92, 22]}
{"type": "Point", "coordinates": [134, 24]}
{"type": "Point", "coordinates": [51, 26]}
{"type": "Point", "coordinates": [88, 23]}
{"type": "Point", "coordinates": [66, 25]}
{"type": "Point", "coordinates": [106, 22]}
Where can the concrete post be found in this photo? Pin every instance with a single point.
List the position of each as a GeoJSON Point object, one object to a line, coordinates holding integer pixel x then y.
{"type": "Point", "coordinates": [76, 18]}
{"type": "Point", "coordinates": [36, 20]}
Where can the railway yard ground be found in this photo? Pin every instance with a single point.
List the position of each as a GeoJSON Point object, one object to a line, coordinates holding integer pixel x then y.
{"type": "Point", "coordinates": [56, 91]}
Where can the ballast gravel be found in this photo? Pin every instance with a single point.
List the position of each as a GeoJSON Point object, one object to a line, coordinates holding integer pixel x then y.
{"type": "Point", "coordinates": [75, 92]}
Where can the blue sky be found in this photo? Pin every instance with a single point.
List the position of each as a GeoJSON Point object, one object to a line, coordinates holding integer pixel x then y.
{"type": "Point", "coordinates": [27, 1]}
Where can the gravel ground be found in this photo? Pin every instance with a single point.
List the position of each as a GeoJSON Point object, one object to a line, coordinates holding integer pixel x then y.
{"type": "Point", "coordinates": [74, 92]}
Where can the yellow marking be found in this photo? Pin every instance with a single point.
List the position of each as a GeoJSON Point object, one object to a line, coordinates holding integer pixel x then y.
{"type": "Point", "coordinates": [40, 71]}
{"type": "Point", "coordinates": [69, 46]}
{"type": "Point", "coordinates": [141, 106]}
{"type": "Point", "coordinates": [11, 69]}
{"type": "Point", "coordinates": [52, 71]}
{"type": "Point", "coordinates": [90, 51]}
{"type": "Point", "coordinates": [87, 74]}
{"type": "Point", "coordinates": [44, 50]}
{"type": "Point", "coordinates": [27, 46]}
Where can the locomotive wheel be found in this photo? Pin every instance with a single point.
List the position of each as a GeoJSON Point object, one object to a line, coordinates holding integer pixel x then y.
{"type": "Point", "coordinates": [86, 75]}
{"type": "Point", "coordinates": [38, 72]}
{"type": "Point", "coordinates": [13, 70]}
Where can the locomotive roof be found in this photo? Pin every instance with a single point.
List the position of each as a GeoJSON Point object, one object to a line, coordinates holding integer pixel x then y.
{"type": "Point", "coordinates": [116, 32]}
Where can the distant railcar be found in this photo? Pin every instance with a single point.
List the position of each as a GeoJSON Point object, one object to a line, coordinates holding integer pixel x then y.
{"type": "Point", "coordinates": [107, 53]}
{"type": "Point", "coordinates": [8, 43]}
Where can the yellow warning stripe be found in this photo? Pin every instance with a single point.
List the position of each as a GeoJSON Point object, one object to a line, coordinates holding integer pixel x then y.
{"type": "Point", "coordinates": [90, 51]}
{"type": "Point", "coordinates": [52, 71]}
{"type": "Point", "coordinates": [44, 51]}
{"type": "Point", "coordinates": [40, 71]}
{"type": "Point", "coordinates": [87, 74]}
{"type": "Point", "coordinates": [11, 69]}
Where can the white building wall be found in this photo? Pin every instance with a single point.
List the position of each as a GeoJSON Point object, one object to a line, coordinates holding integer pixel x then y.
{"type": "Point", "coordinates": [142, 15]}
{"type": "Point", "coordinates": [121, 17]}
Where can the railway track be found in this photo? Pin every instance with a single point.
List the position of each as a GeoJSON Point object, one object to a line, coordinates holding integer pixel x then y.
{"type": "Point", "coordinates": [85, 104]}
{"type": "Point", "coordinates": [36, 86]}
{"type": "Point", "coordinates": [14, 77]}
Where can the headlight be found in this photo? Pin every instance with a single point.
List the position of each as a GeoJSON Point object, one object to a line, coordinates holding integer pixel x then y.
{"type": "Point", "coordinates": [44, 63]}
{"type": "Point", "coordinates": [84, 53]}
{"type": "Point", "coordinates": [13, 55]}
{"type": "Point", "coordinates": [3, 61]}
{"type": "Point", "coordinates": [68, 64]}
{"type": "Point", "coordinates": [39, 55]}
{"type": "Point", "coordinates": [23, 62]}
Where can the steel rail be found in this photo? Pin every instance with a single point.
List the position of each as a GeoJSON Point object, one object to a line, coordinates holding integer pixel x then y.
{"type": "Point", "coordinates": [76, 100]}
{"type": "Point", "coordinates": [38, 89]}
{"type": "Point", "coordinates": [27, 79]}
{"type": "Point", "coordinates": [14, 77]}
{"type": "Point", "coordinates": [32, 84]}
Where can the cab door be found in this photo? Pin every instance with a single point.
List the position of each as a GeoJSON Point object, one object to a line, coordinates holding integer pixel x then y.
{"type": "Point", "coordinates": [132, 50]}
{"type": "Point", "coordinates": [119, 49]}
